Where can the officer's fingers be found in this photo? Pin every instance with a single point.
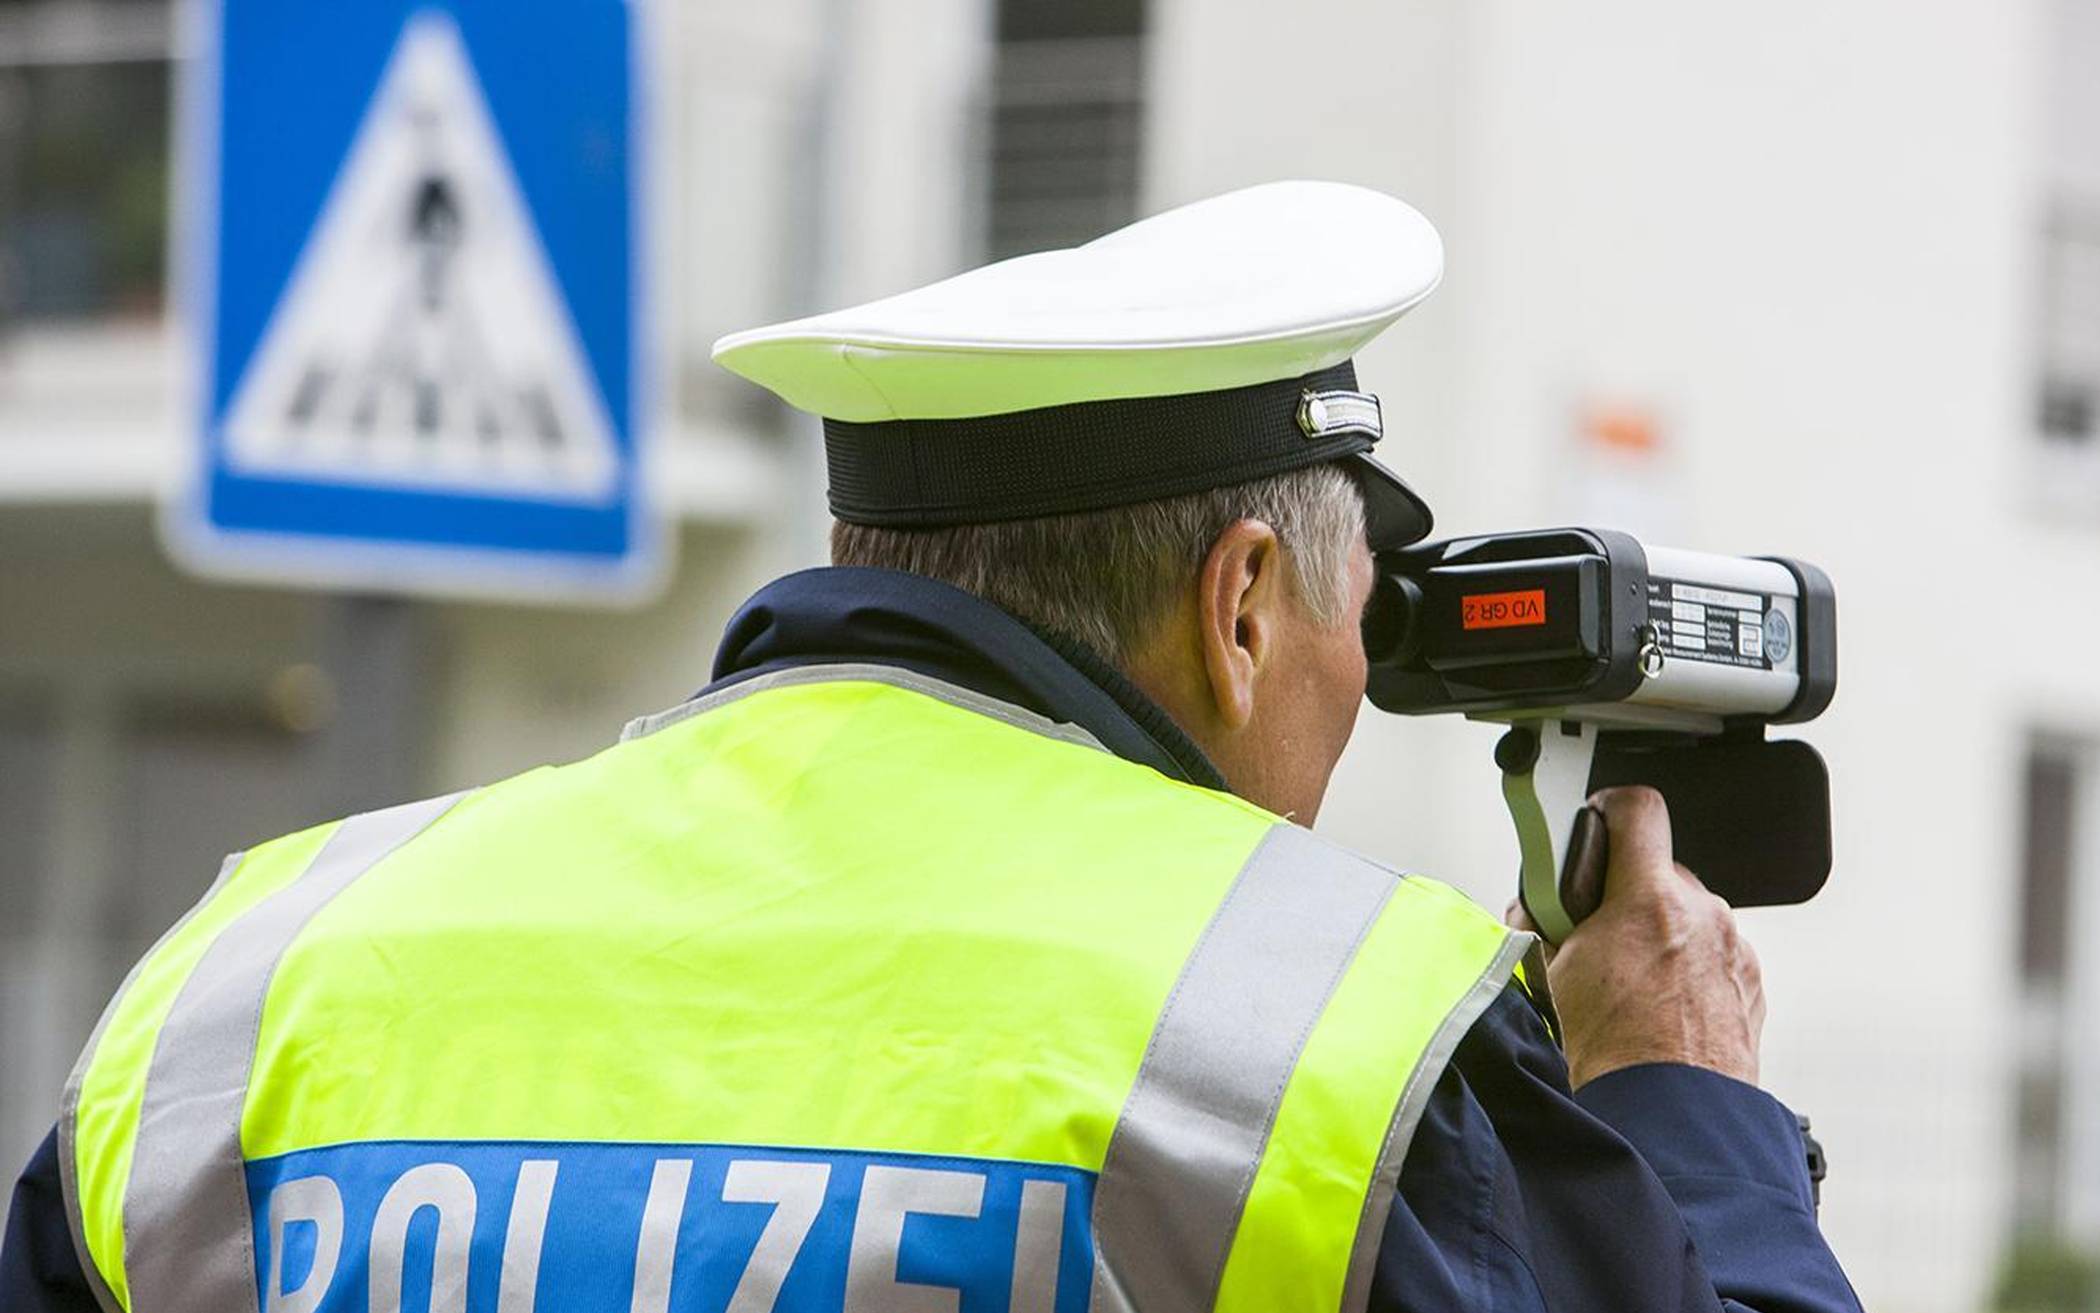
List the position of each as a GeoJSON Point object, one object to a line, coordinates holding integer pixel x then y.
{"type": "Point", "coordinates": [1639, 826]}
{"type": "Point", "coordinates": [1516, 918]}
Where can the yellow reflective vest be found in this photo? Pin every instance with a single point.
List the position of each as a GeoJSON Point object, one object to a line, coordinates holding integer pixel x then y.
{"type": "Point", "coordinates": [839, 989]}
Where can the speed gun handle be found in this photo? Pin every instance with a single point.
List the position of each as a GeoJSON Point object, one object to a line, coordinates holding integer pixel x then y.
{"type": "Point", "coordinates": [1751, 816]}
{"type": "Point", "coordinates": [1582, 873]}
{"type": "Point", "coordinates": [1579, 890]}
{"type": "Point", "coordinates": [1560, 838]}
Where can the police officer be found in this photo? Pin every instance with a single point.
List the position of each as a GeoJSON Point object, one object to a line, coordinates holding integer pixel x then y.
{"type": "Point", "coordinates": [959, 948]}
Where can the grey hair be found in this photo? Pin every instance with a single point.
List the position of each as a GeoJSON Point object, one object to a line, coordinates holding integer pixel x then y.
{"type": "Point", "coordinates": [1109, 578]}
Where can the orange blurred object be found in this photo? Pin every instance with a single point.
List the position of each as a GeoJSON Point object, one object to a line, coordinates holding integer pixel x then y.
{"type": "Point", "coordinates": [1622, 428]}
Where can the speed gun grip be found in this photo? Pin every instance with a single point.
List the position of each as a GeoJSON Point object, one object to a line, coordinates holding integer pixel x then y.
{"type": "Point", "coordinates": [1582, 872]}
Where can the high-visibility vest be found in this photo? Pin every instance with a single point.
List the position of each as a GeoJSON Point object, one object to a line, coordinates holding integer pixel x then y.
{"type": "Point", "coordinates": [839, 989]}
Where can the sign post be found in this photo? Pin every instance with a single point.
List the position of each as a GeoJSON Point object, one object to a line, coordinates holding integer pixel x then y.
{"type": "Point", "coordinates": [414, 277]}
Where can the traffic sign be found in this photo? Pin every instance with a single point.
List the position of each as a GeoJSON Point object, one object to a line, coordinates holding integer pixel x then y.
{"type": "Point", "coordinates": [415, 281]}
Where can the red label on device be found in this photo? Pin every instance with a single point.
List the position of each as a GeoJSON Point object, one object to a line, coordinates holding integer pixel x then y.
{"type": "Point", "coordinates": [1503, 610]}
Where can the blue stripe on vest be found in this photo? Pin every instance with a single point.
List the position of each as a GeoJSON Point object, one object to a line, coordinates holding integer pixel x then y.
{"type": "Point", "coordinates": [478, 1227]}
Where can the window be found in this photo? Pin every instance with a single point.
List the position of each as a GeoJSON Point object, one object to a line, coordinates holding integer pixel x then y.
{"type": "Point", "coordinates": [2050, 815]}
{"type": "Point", "coordinates": [84, 110]}
{"type": "Point", "coordinates": [1065, 125]}
{"type": "Point", "coordinates": [2067, 382]}
{"type": "Point", "coordinates": [2057, 1094]}
{"type": "Point", "coordinates": [2070, 385]}
{"type": "Point", "coordinates": [28, 761]}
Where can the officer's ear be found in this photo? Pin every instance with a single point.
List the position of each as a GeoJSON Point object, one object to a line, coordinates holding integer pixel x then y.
{"type": "Point", "coordinates": [1240, 605]}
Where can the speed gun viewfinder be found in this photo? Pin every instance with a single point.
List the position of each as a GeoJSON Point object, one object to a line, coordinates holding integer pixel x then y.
{"type": "Point", "coordinates": [1618, 663]}
{"type": "Point", "coordinates": [1634, 636]}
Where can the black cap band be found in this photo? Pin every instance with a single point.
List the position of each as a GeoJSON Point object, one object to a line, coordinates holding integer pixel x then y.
{"type": "Point", "coordinates": [1085, 456]}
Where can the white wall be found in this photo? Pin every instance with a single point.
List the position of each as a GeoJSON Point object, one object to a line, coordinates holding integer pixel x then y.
{"type": "Point", "coordinates": [1800, 235]}
{"type": "Point", "coordinates": [1804, 233]}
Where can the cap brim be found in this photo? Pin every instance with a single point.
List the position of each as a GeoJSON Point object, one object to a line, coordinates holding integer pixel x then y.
{"type": "Point", "coordinates": [1394, 516]}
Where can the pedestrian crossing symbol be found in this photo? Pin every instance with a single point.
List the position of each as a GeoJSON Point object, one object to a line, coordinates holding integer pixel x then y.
{"type": "Point", "coordinates": [434, 374]}
{"type": "Point", "coordinates": [422, 339]}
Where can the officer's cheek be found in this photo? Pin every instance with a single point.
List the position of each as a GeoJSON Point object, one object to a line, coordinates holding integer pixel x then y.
{"type": "Point", "coordinates": [1330, 691]}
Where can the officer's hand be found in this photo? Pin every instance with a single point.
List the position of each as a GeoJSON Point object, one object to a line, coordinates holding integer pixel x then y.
{"type": "Point", "coordinates": [1659, 972]}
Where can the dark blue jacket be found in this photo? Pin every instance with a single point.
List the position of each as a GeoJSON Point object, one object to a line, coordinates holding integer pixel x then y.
{"type": "Point", "coordinates": [1656, 1188]}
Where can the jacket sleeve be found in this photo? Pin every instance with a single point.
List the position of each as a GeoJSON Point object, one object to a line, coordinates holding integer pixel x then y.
{"type": "Point", "coordinates": [1731, 1156]}
{"type": "Point", "coordinates": [1657, 1188]}
{"type": "Point", "coordinates": [39, 1268]}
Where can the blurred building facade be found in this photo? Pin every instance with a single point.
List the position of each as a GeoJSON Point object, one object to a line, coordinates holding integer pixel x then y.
{"type": "Point", "coordinates": [1821, 279]}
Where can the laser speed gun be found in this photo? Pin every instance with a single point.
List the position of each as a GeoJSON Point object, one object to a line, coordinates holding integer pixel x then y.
{"type": "Point", "coordinates": [1617, 663]}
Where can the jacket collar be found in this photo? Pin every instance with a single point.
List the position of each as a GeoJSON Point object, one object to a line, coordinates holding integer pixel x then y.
{"type": "Point", "coordinates": [852, 614]}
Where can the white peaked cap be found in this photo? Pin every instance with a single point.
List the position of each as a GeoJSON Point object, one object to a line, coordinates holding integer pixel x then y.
{"type": "Point", "coordinates": [1204, 346]}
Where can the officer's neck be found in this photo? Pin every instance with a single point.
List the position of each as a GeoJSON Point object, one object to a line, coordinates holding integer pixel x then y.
{"type": "Point", "coordinates": [854, 614]}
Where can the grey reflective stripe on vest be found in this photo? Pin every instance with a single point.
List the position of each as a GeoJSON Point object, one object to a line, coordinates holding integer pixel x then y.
{"type": "Point", "coordinates": [1414, 1100]}
{"type": "Point", "coordinates": [69, 1105]}
{"type": "Point", "coordinates": [188, 1233]}
{"type": "Point", "coordinates": [1183, 1154]}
